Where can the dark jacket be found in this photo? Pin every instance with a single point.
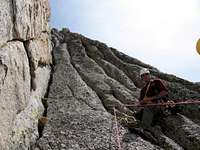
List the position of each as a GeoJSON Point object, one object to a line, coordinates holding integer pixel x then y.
{"type": "Point", "coordinates": [155, 87]}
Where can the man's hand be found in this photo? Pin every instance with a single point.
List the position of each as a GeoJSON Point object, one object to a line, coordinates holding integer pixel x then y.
{"type": "Point", "coordinates": [147, 100]}
{"type": "Point", "coordinates": [170, 104]}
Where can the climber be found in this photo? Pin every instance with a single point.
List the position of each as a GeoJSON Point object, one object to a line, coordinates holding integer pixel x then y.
{"type": "Point", "coordinates": [154, 91]}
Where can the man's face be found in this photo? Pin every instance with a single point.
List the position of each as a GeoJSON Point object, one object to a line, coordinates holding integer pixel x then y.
{"type": "Point", "coordinates": [145, 77]}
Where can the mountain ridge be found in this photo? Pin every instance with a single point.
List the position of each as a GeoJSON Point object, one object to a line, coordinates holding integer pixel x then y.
{"type": "Point", "coordinates": [98, 78]}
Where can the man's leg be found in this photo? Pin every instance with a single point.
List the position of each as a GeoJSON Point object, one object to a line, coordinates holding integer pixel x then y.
{"type": "Point", "coordinates": [147, 118]}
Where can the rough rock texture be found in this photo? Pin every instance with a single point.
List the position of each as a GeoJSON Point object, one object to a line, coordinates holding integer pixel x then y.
{"type": "Point", "coordinates": [91, 82]}
{"type": "Point", "coordinates": [30, 18]}
{"type": "Point", "coordinates": [6, 21]}
{"type": "Point", "coordinates": [90, 85]}
{"type": "Point", "coordinates": [25, 58]}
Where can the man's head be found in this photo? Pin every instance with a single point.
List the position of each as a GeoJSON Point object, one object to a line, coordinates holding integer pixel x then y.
{"type": "Point", "coordinates": [145, 74]}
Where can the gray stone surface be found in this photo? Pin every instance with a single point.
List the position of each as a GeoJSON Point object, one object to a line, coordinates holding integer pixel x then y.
{"type": "Point", "coordinates": [25, 58]}
{"type": "Point", "coordinates": [6, 21]}
{"type": "Point", "coordinates": [89, 79]}
{"type": "Point", "coordinates": [30, 18]}
{"type": "Point", "coordinates": [183, 131]}
{"type": "Point", "coordinates": [24, 132]}
{"type": "Point", "coordinates": [23, 19]}
{"type": "Point", "coordinates": [15, 86]}
{"type": "Point", "coordinates": [78, 119]}
{"type": "Point", "coordinates": [39, 50]}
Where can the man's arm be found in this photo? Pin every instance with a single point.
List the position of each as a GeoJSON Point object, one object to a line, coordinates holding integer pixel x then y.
{"type": "Point", "coordinates": [160, 95]}
{"type": "Point", "coordinates": [163, 92]}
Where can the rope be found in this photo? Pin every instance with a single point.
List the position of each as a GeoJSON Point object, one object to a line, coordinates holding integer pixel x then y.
{"type": "Point", "coordinates": [146, 105]}
{"type": "Point", "coordinates": [147, 88]}
{"type": "Point", "coordinates": [117, 130]}
{"type": "Point", "coordinates": [137, 104]}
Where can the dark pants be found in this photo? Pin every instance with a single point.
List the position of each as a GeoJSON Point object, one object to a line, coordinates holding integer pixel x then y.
{"type": "Point", "coordinates": [148, 115]}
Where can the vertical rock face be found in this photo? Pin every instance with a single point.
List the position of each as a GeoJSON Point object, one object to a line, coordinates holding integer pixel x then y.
{"type": "Point", "coordinates": [30, 18]}
{"type": "Point", "coordinates": [6, 21]}
{"type": "Point", "coordinates": [25, 58]}
{"type": "Point", "coordinates": [91, 83]}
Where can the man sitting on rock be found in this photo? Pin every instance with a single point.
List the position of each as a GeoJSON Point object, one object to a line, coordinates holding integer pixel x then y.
{"type": "Point", "coordinates": [154, 91]}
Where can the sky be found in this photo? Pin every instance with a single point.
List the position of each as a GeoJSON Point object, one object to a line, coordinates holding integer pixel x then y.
{"type": "Point", "coordinates": [162, 33]}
